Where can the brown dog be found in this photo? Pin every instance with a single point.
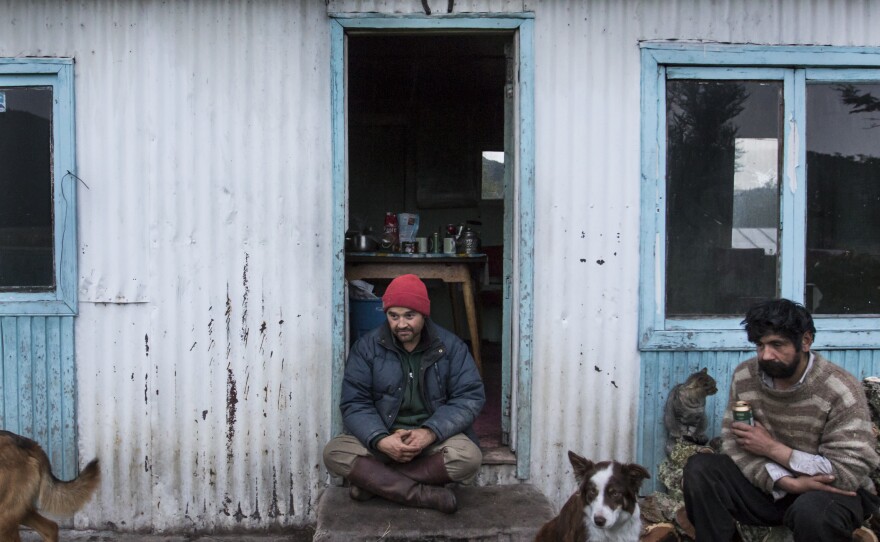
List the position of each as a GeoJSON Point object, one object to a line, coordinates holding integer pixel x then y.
{"type": "Point", "coordinates": [605, 506]}
{"type": "Point", "coordinates": [27, 486]}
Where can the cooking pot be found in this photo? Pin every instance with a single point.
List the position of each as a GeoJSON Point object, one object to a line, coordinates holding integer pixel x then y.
{"type": "Point", "coordinates": [362, 242]}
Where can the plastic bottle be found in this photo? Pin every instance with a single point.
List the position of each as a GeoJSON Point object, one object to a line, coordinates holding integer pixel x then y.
{"type": "Point", "coordinates": [391, 231]}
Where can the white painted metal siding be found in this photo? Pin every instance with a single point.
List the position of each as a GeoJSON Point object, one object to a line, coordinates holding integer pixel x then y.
{"type": "Point", "coordinates": [437, 7]}
{"type": "Point", "coordinates": [203, 340]}
{"type": "Point", "coordinates": [203, 346]}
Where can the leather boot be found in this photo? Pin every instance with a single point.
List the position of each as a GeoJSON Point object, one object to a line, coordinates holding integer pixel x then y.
{"type": "Point", "coordinates": [377, 478]}
{"type": "Point", "coordinates": [358, 494]}
{"type": "Point", "coordinates": [428, 469]}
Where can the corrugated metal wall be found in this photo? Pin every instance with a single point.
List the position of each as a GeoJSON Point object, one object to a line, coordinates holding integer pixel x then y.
{"type": "Point", "coordinates": [203, 340]}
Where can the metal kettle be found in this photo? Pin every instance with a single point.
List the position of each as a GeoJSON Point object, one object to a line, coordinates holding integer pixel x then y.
{"type": "Point", "coordinates": [467, 240]}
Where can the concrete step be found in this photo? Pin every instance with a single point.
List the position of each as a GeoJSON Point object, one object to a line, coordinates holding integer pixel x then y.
{"type": "Point", "coordinates": [510, 513]}
{"type": "Point", "coordinates": [66, 535]}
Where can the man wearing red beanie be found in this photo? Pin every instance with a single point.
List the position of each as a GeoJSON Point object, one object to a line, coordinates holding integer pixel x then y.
{"type": "Point", "coordinates": [410, 395]}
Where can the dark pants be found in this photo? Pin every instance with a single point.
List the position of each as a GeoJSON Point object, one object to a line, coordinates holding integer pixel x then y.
{"type": "Point", "coordinates": [716, 493]}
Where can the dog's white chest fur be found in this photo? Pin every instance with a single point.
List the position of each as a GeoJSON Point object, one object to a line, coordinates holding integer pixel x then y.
{"type": "Point", "coordinates": [618, 525]}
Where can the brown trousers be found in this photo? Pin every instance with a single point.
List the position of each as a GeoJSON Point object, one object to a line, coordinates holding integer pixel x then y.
{"type": "Point", "coordinates": [460, 455]}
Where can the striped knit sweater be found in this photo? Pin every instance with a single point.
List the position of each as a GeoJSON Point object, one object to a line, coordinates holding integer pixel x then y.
{"type": "Point", "coordinates": [826, 415]}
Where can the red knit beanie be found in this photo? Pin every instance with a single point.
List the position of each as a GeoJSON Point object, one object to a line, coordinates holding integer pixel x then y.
{"type": "Point", "coordinates": [407, 291]}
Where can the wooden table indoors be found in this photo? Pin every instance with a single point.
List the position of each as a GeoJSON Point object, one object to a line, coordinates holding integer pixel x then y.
{"type": "Point", "coordinates": [453, 269]}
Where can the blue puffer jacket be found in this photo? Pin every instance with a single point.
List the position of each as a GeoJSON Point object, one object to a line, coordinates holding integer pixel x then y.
{"type": "Point", "coordinates": [372, 390]}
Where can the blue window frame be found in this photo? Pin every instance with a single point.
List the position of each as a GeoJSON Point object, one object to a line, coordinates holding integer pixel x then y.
{"type": "Point", "coordinates": [38, 222]}
{"type": "Point", "coordinates": [760, 178]}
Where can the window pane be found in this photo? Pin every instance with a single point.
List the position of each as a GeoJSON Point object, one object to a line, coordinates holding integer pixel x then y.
{"type": "Point", "coordinates": [26, 261]}
{"type": "Point", "coordinates": [723, 159]}
{"type": "Point", "coordinates": [843, 198]}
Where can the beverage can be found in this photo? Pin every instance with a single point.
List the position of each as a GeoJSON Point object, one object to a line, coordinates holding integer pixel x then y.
{"type": "Point", "coordinates": [742, 412]}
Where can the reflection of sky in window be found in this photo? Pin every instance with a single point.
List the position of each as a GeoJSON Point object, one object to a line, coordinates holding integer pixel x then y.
{"type": "Point", "coordinates": [756, 167]}
{"type": "Point", "coordinates": [756, 163]}
{"type": "Point", "coordinates": [495, 156]}
{"type": "Point", "coordinates": [34, 100]}
{"type": "Point", "coordinates": [832, 127]}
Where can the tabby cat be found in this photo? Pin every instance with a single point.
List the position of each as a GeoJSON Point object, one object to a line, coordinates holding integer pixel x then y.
{"type": "Point", "coordinates": [685, 412]}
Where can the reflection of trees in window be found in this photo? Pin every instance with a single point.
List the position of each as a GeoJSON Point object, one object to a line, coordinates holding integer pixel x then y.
{"type": "Point", "coordinates": [701, 157]}
{"type": "Point", "coordinates": [843, 247]}
{"type": "Point", "coordinates": [755, 204]}
{"type": "Point", "coordinates": [843, 197]}
{"type": "Point", "coordinates": [859, 101]}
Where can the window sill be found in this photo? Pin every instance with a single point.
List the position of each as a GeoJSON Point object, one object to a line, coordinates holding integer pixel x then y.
{"type": "Point", "coordinates": [830, 335]}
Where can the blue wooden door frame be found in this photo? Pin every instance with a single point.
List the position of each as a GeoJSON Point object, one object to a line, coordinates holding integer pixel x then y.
{"type": "Point", "coordinates": [523, 25]}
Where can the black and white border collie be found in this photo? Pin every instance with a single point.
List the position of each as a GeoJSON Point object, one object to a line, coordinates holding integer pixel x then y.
{"type": "Point", "coordinates": [605, 507]}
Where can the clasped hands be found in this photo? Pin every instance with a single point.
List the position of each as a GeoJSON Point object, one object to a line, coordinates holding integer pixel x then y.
{"type": "Point", "coordinates": [404, 445]}
{"type": "Point", "coordinates": [757, 440]}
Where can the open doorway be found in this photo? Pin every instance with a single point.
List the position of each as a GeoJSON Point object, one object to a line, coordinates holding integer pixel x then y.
{"type": "Point", "coordinates": [428, 124]}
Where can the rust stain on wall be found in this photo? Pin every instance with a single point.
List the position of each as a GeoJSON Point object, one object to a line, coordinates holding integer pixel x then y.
{"type": "Point", "coordinates": [231, 401]}
{"type": "Point", "coordinates": [256, 515]}
{"type": "Point", "coordinates": [211, 343]}
{"type": "Point", "coordinates": [231, 388]}
{"type": "Point", "coordinates": [245, 331]}
{"type": "Point", "coordinates": [290, 509]}
{"type": "Point", "coordinates": [228, 323]}
{"type": "Point", "coordinates": [274, 512]}
{"type": "Point", "coordinates": [239, 515]}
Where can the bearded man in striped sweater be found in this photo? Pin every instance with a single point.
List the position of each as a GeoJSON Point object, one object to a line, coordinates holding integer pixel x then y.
{"type": "Point", "coordinates": [805, 463]}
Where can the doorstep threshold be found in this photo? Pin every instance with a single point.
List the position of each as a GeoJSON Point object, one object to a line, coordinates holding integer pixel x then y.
{"type": "Point", "coordinates": [500, 455]}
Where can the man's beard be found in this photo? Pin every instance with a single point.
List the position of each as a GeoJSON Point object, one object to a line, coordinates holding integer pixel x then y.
{"type": "Point", "coordinates": [777, 369]}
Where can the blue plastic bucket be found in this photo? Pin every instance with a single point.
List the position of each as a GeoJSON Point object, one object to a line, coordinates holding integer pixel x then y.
{"type": "Point", "coordinates": [364, 315]}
